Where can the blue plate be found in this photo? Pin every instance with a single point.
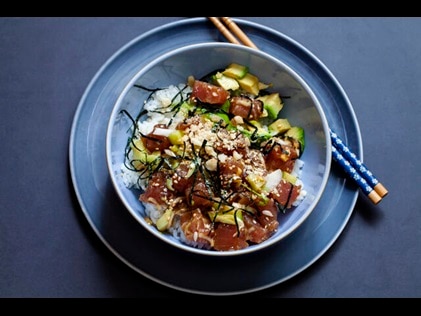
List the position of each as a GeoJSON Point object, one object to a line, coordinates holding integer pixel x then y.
{"type": "Point", "coordinates": [167, 265]}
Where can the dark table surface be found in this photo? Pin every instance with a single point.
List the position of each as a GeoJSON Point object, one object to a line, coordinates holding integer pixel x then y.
{"type": "Point", "coordinates": [49, 250]}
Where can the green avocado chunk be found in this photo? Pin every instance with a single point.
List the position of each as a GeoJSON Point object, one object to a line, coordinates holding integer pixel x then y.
{"type": "Point", "coordinates": [297, 133]}
{"type": "Point", "coordinates": [272, 104]}
{"type": "Point", "coordinates": [279, 126]}
{"type": "Point", "coordinates": [236, 71]}
{"type": "Point", "coordinates": [226, 82]}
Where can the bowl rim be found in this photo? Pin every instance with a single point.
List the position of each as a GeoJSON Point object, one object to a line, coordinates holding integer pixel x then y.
{"type": "Point", "coordinates": [164, 236]}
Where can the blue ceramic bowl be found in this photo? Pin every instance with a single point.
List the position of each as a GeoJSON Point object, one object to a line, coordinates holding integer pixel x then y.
{"type": "Point", "coordinates": [301, 108]}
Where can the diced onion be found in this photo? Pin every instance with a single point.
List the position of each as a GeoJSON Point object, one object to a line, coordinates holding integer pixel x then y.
{"type": "Point", "coordinates": [273, 179]}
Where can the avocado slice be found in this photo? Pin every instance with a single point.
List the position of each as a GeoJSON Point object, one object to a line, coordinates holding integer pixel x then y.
{"type": "Point", "coordinates": [297, 133]}
{"type": "Point", "coordinates": [236, 71]}
{"type": "Point", "coordinates": [256, 181]}
{"type": "Point", "coordinates": [272, 104]}
{"type": "Point", "coordinates": [289, 177]}
{"type": "Point", "coordinates": [226, 82]}
{"type": "Point", "coordinates": [255, 132]}
{"type": "Point", "coordinates": [176, 137]}
{"type": "Point", "coordinates": [186, 108]}
{"type": "Point", "coordinates": [231, 217]}
{"type": "Point", "coordinates": [141, 156]}
{"type": "Point", "coordinates": [249, 83]}
{"type": "Point", "coordinates": [164, 222]}
{"type": "Point", "coordinates": [279, 126]}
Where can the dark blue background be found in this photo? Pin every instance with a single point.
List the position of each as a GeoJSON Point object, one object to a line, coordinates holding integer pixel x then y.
{"type": "Point", "coordinates": [48, 249]}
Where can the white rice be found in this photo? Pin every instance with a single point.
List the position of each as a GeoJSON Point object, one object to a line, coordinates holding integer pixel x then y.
{"type": "Point", "coordinates": [297, 171]}
{"type": "Point", "coordinates": [159, 100]}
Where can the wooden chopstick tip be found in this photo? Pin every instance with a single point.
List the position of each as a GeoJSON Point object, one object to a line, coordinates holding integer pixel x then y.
{"type": "Point", "coordinates": [232, 32]}
{"type": "Point", "coordinates": [381, 190]}
{"type": "Point", "coordinates": [224, 31]}
{"type": "Point", "coordinates": [374, 197]}
{"type": "Point", "coordinates": [238, 32]}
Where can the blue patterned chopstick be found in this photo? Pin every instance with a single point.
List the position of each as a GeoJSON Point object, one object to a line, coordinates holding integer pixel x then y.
{"type": "Point", "coordinates": [357, 170]}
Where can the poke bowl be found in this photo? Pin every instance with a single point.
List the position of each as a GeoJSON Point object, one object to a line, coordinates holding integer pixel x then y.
{"type": "Point", "coordinates": [218, 149]}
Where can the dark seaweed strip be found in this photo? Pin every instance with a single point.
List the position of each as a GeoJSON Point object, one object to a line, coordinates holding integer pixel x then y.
{"type": "Point", "coordinates": [128, 115]}
{"type": "Point", "coordinates": [289, 194]}
{"type": "Point", "coordinates": [134, 124]}
{"type": "Point", "coordinates": [194, 172]}
{"type": "Point", "coordinates": [146, 88]}
{"type": "Point", "coordinates": [148, 167]}
{"type": "Point", "coordinates": [265, 149]}
{"type": "Point", "coordinates": [215, 179]}
{"type": "Point", "coordinates": [199, 168]}
{"type": "Point", "coordinates": [128, 149]}
{"type": "Point", "coordinates": [174, 107]}
{"type": "Point", "coordinates": [177, 107]}
{"type": "Point", "coordinates": [237, 226]}
{"type": "Point", "coordinates": [151, 169]}
{"type": "Point", "coordinates": [283, 208]}
{"type": "Point", "coordinates": [144, 173]}
{"type": "Point", "coordinates": [248, 188]}
{"type": "Point", "coordinates": [273, 144]}
{"type": "Point", "coordinates": [253, 136]}
{"type": "Point", "coordinates": [134, 131]}
{"type": "Point", "coordinates": [153, 91]}
{"type": "Point", "coordinates": [210, 185]}
{"type": "Point", "coordinates": [251, 105]}
{"type": "Point", "coordinates": [180, 94]}
{"type": "Point", "coordinates": [141, 113]}
{"type": "Point", "coordinates": [230, 208]}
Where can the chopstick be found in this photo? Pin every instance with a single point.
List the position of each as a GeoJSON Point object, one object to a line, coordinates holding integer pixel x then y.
{"type": "Point", "coordinates": [349, 162]}
{"type": "Point", "coordinates": [357, 177]}
{"type": "Point", "coordinates": [358, 165]}
{"type": "Point", "coordinates": [234, 28]}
